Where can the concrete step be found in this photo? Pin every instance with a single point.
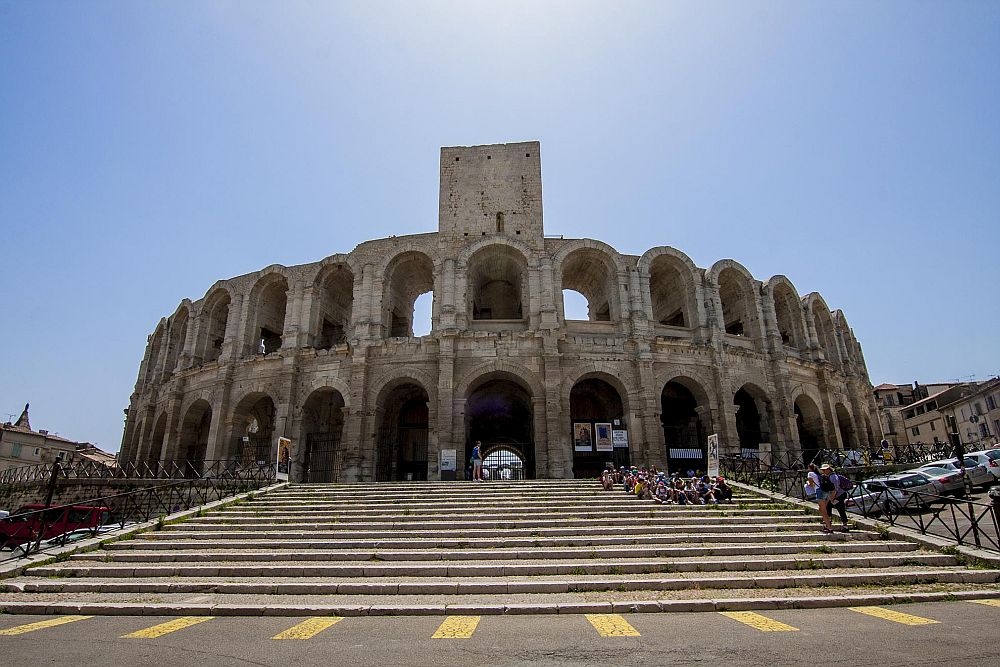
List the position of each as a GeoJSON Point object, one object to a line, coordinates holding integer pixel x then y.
{"type": "Point", "coordinates": [630, 507]}
{"type": "Point", "coordinates": [304, 541]}
{"type": "Point", "coordinates": [372, 569]}
{"type": "Point", "coordinates": [267, 553]}
{"type": "Point", "coordinates": [656, 512]}
{"type": "Point", "coordinates": [458, 586]}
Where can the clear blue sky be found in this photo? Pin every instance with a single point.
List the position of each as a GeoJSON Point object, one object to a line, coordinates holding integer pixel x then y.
{"type": "Point", "coordinates": [148, 149]}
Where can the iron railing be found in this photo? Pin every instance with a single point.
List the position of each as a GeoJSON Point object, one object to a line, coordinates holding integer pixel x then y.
{"type": "Point", "coordinates": [962, 520]}
{"type": "Point", "coordinates": [32, 531]}
{"type": "Point", "coordinates": [174, 469]}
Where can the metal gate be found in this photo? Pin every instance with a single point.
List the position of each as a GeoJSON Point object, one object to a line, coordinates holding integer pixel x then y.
{"type": "Point", "coordinates": [401, 454]}
{"type": "Point", "coordinates": [255, 449]}
{"type": "Point", "coordinates": [508, 461]}
{"type": "Point", "coordinates": [324, 458]}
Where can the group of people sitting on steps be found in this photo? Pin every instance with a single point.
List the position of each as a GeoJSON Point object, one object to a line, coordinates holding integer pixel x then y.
{"type": "Point", "coordinates": [668, 488]}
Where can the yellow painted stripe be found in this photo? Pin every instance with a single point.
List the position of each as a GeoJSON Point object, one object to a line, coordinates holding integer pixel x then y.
{"type": "Point", "coordinates": [31, 627]}
{"type": "Point", "coordinates": [991, 603]}
{"type": "Point", "coordinates": [457, 627]}
{"type": "Point", "coordinates": [759, 621]}
{"type": "Point", "coordinates": [308, 629]}
{"type": "Point", "coordinates": [167, 628]}
{"type": "Point", "coordinates": [612, 625]}
{"type": "Point", "coordinates": [894, 616]}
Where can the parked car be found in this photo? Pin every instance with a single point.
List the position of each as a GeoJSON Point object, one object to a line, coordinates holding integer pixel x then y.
{"type": "Point", "coordinates": [990, 458]}
{"type": "Point", "coordinates": [978, 474]}
{"type": "Point", "coordinates": [947, 481]}
{"type": "Point", "coordinates": [4, 514]}
{"type": "Point", "coordinates": [86, 533]}
{"type": "Point", "coordinates": [891, 494]}
{"type": "Point", "coordinates": [29, 523]}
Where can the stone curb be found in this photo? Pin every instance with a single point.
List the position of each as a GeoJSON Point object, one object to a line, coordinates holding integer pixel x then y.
{"type": "Point", "coordinates": [629, 607]}
{"type": "Point", "coordinates": [16, 567]}
{"type": "Point", "coordinates": [929, 541]}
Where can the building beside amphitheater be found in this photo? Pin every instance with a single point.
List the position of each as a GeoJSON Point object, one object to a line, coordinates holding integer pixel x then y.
{"type": "Point", "coordinates": [324, 353]}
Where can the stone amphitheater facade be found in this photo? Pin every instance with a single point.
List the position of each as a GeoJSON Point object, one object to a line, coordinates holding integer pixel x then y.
{"type": "Point", "coordinates": [324, 353]}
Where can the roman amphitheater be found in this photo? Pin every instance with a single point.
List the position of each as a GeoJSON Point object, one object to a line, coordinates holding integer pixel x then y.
{"type": "Point", "coordinates": [324, 354]}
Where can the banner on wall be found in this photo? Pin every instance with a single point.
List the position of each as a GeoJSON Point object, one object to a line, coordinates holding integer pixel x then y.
{"type": "Point", "coordinates": [713, 455]}
{"type": "Point", "coordinates": [284, 459]}
{"type": "Point", "coordinates": [583, 437]}
{"type": "Point", "coordinates": [603, 430]}
{"type": "Point", "coordinates": [619, 438]}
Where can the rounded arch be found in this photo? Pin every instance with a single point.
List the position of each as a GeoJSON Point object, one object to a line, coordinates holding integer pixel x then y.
{"type": "Point", "coordinates": [822, 319]}
{"type": "Point", "coordinates": [686, 420]}
{"type": "Point", "coordinates": [754, 415]}
{"type": "Point", "coordinates": [497, 283]}
{"type": "Point", "coordinates": [196, 425]}
{"type": "Point", "coordinates": [268, 309]}
{"type": "Point", "coordinates": [596, 408]}
{"type": "Point", "coordinates": [810, 426]}
{"type": "Point", "coordinates": [156, 343]}
{"type": "Point", "coordinates": [498, 408]}
{"type": "Point", "coordinates": [403, 417]}
{"type": "Point", "coordinates": [213, 319]}
{"type": "Point", "coordinates": [846, 426]}
{"type": "Point", "coordinates": [154, 451]}
{"type": "Point", "coordinates": [788, 313]}
{"type": "Point", "coordinates": [317, 382]}
{"type": "Point", "coordinates": [671, 281]}
{"type": "Point", "coordinates": [607, 372]}
{"type": "Point", "coordinates": [390, 378]}
{"type": "Point", "coordinates": [407, 274]}
{"type": "Point", "coordinates": [472, 249]}
{"type": "Point", "coordinates": [500, 367]}
{"type": "Point", "coordinates": [178, 328]}
{"type": "Point", "coordinates": [332, 311]}
{"type": "Point", "coordinates": [252, 427]}
{"type": "Point", "coordinates": [737, 292]}
{"type": "Point", "coordinates": [589, 269]}
{"type": "Point", "coordinates": [322, 425]}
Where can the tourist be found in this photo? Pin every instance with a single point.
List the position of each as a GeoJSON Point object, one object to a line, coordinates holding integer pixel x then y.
{"type": "Point", "coordinates": [824, 489]}
{"type": "Point", "coordinates": [723, 492]}
{"type": "Point", "coordinates": [477, 461]}
{"type": "Point", "coordinates": [838, 497]}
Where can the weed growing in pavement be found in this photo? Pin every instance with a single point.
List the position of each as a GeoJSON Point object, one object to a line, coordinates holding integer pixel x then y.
{"type": "Point", "coordinates": [578, 571]}
{"type": "Point", "coordinates": [822, 549]}
{"type": "Point", "coordinates": [615, 570]}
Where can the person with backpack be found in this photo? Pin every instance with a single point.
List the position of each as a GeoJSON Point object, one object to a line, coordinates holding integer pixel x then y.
{"type": "Point", "coordinates": [825, 490]}
{"type": "Point", "coordinates": [838, 501]}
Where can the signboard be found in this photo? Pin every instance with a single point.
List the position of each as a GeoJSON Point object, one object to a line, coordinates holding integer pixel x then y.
{"type": "Point", "coordinates": [583, 438]}
{"type": "Point", "coordinates": [604, 437]}
{"type": "Point", "coordinates": [713, 455]}
{"type": "Point", "coordinates": [449, 460]}
{"type": "Point", "coordinates": [619, 438]}
{"type": "Point", "coordinates": [284, 459]}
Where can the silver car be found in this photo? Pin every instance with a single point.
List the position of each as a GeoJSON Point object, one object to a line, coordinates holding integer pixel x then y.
{"type": "Point", "coordinates": [891, 494]}
{"type": "Point", "coordinates": [988, 458]}
{"type": "Point", "coordinates": [947, 481]}
{"type": "Point", "coordinates": [978, 475]}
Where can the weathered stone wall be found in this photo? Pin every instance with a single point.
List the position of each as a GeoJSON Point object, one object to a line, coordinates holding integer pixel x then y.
{"type": "Point", "coordinates": [654, 320]}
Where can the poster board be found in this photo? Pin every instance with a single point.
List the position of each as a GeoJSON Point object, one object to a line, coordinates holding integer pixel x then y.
{"type": "Point", "coordinates": [583, 437]}
{"type": "Point", "coordinates": [449, 460]}
{"type": "Point", "coordinates": [713, 455]}
{"type": "Point", "coordinates": [620, 438]}
{"type": "Point", "coordinates": [603, 439]}
{"type": "Point", "coordinates": [284, 459]}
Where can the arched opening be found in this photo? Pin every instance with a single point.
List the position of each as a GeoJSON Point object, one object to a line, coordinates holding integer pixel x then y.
{"type": "Point", "coordinates": [403, 434]}
{"type": "Point", "coordinates": [194, 436]}
{"type": "Point", "coordinates": [214, 319]}
{"type": "Point", "coordinates": [683, 431]}
{"type": "Point", "coordinates": [155, 450]}
{"type": "Point", "coordinates": [409, 275]}
{"type": "Point", "coordinates": [175, 346]}
{"type": "Point", "coordinates": [269, 308]}
{"type": "Point", "coordinates": [809, 425]}
{"type": "Point", "coordinates": [596, 411]}
{"type": "Point", "coordinates": [670, 293]}
{"type": "Point", "coordinates": [575, 305]}
{"type": "Point", "coordinates": [825, 332]}
{"type": "Point", "coordinates": [753, 415]}
{"type": "Point", "coordinates": [153, 360]}
{"type": "Point", "coordinates": [498, 279]}
{"type": "Point", "coordinates": [738, 305]}
{"type": "Point", "coordinates": [788, 315]}
{"type": "Point", "coordinates": [335, 292]}
{"type": "Point", "coordinates": [322, 429]}
{"type": "Point", "coordinates": [846, 427]}
{"type": "Point", "coordinates": [253, 429]}
{"type": "Point", "coordinates": [498, 413]}
{"type": "Point", "coordinates": [586, 271]}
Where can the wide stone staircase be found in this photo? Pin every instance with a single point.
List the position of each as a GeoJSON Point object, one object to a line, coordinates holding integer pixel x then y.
{"type": "Point", "coordinates": [489, 548]}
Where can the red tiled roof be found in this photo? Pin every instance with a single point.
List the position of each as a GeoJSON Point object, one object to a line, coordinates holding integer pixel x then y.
{"type": "Point", "coordinates": [882, 387]}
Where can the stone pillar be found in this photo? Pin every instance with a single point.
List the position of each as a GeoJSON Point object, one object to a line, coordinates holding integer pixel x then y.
{"type": "Point", "coordinates": [235, 344]}
{"type": "Point", "coordinates": [556, 453]}
{"type": "Point", "coordinates": [292, 335]}
{"type": "Point", "coordinates": [549, 312]}
{"type": "Point", "coordinates": [358, 426]}
{"type": "Point", "coordinates": [219, 448]}
{"type": "Point", "coordinates": [445, 409]}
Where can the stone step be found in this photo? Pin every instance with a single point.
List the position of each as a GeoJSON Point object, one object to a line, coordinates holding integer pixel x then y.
{"type": "Point", "coordinates": [168, 541]}
{"type": "Point", "coordinates": [284, 555]}
{"type": "Point", "coordinates": [492, 569]}
{"type": "Point", "coordinates": [711, 512]}
{"type": "Point", "coordinates": [454, 508]}
{"type": "Point", "coordinates": [464, 586]}
{"type": "Point", "coordinates": [184, 531]}
{"type": "Point", "coordinates": [497, 523]}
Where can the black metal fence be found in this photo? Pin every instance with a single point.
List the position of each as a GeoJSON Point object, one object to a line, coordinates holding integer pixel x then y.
{"type": "Point", "coordinates": [964, 521]}
{"type": "Point", "coordinates": [28, 532]}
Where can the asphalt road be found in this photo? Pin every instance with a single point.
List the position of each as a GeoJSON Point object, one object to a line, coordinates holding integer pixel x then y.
{"type": "Point", "coordinates": [948, 633]}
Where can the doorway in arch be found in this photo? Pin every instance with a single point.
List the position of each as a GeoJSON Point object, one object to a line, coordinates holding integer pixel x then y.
{"type": "Point", "coordinates": [498, 413]}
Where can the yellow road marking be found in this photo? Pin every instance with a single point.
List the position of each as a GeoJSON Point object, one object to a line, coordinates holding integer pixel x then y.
{"type": "Point", "coordinates": [31, 627]}
{"type": "Point", "coordinates": [991, 603]}
{"type": "Point", "coordinates": [759, 621]}
{"type": "Point", "coordinates": [895, 616]}
{"type": "Point", "coordinates": [612, 625]}
{"type": "Point", "coordinates": [167, 628]}
{"type": "Point", "coordinates": [457, 627]}
{"type": "Point", "coordinates": [308, 629]}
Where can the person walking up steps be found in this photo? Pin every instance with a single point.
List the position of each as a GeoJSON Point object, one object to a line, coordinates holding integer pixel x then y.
{"type": "Point", "coordinates": [824, 492]}
{"type": "Point", "coordinates": [477, 461]}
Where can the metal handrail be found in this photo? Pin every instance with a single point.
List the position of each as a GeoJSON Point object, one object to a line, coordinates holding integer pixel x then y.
{"type": "Point", "coordinates": [84, 469]}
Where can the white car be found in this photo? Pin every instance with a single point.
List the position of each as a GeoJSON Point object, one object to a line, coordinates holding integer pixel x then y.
{"type": "Point", "coordinates": [978, 475]}
{"type": "Point", "coordinates": [990, 458]}
{"type": "Point", "coordinates": [4, 514]}
{"type": "Point", "coordinates": [892, 494]}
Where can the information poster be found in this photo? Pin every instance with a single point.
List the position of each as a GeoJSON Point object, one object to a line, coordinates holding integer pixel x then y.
{"type": "Point", "coordinates": [284, 459]}
{"type": "Point", "coordinates": [713, 455]}
{"type": "Point", "coordinates": [449, 460]}
{"type": "Point", "coordinates": [619, 438]}
{"type": "Point", "coordinates": [604, 443]}
{"type": "Point", "coordinates": [583, 437]}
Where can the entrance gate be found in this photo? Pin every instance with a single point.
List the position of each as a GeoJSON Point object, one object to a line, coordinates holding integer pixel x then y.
{"type": "Point", "coordinates": [324, 458]}
{"type": "Point", "coordinates": [508, 460]}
